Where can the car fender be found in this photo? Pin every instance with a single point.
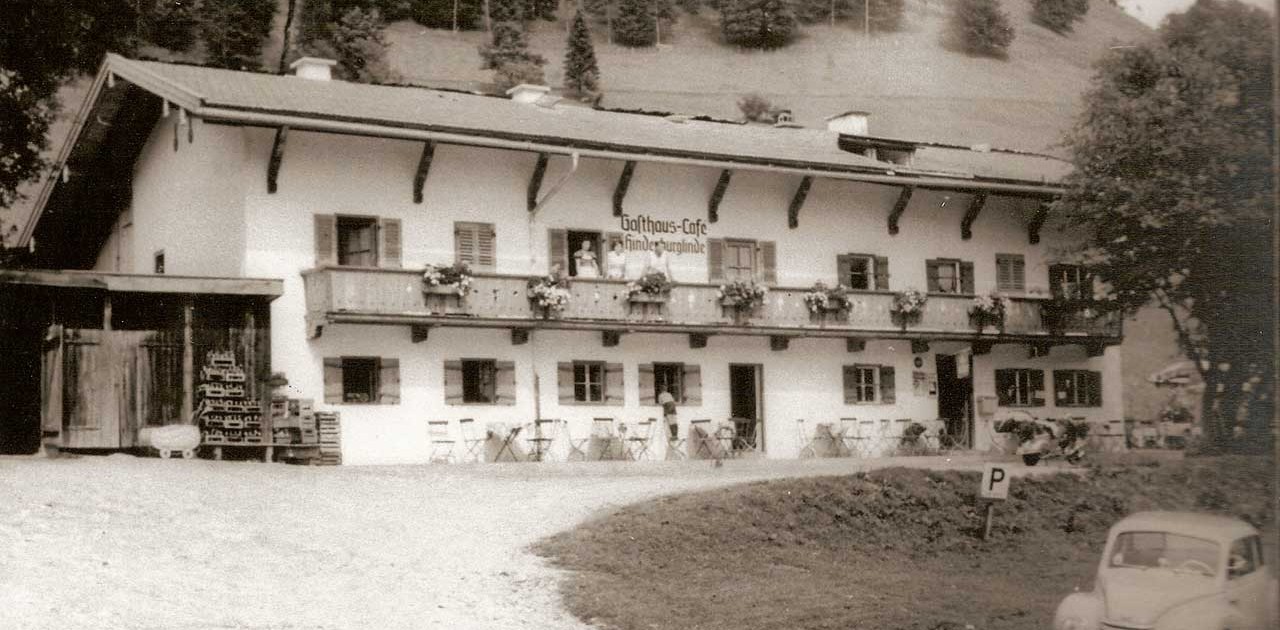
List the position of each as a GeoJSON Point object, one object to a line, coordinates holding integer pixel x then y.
{"type": "Point", "coordinates": [1087, 606]}
{"type": "Point", "coordinates": [1201, 613]}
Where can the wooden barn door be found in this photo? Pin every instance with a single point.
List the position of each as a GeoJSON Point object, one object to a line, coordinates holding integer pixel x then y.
{"type": "Point", "coordinates": [51, 388]}
{"type": "Point", "coordinates": [114, 383]}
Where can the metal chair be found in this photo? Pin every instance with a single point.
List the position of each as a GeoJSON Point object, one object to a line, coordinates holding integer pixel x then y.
{"type": "Point", "coordinates": [850, 438]}
{"type": "Point", "coordinates": [472, 441]}
{"type": "Point", "coordinates": [727, 438]}
{"type": "Point", "coordinates": [540, 437]}
{"type": "Point", "coordinates": [442, 441]}
{"type": "Point", "coordinates": [867, 432]}
{"type": "Point", "coordinates": [702, 438]}
{"type": "Point", "coordinates": [602, 430]}
{"type": "Point", "coordinates": [638, 439]}
{"type": "Point", "coordinates": [899, 434]}
{"type": "Point", "coordinates": [577, 445]}
{"type": "Point", "coordinates": [805, 439]}
{"type": "Point", "coordinates": [746, 435]}
{"type": "Point", "coordinates": [508, 435]}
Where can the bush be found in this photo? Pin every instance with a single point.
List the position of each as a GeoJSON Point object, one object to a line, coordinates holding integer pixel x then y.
{"type": "Point", "coordinates": [757, 23]}
{"type": "Point", "coordinates": [360, 49]}
{"type": "Point", "coordinates": [1058, 15]}
{"type": "Point", "coordinates": [512, 74]}
{"type": "Point", "coordinates": [234, 30]}
{"type": "Point", "coordinates": [980, 27]}
{"type": "Point", "coordinates": [755, 108]}
{"type": "Point", "coordinates": [172, 25]}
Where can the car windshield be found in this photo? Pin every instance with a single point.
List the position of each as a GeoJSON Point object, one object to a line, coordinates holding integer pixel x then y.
{"type": "Point", "coordinates": [1162, 550]}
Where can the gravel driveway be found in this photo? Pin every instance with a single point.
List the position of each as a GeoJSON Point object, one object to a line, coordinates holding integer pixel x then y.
{"type": "Point", "coordinates": [123, 542]}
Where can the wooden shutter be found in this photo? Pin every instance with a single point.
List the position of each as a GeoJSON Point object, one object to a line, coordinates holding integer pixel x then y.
{"type": "Point", "coordinates": [1060, 387]}
{"type": "Point", "coordinates": [887, 385]}
{"type": "Point", "coordinates": [715, 259]}
{"type": "Point", "coordinates": [465, 243]}
{"type": "Point", "coordinates": [558, 250]}
{"type": "Point", "coordinates": [1036, 387]}
{"type": "Point", "coordinates": [614, 385]}
{"type": "Point", "coordinates": [882, 273]}
{"type": "Point", "coordinates": [692, 385]}
{"type": "Point", "coordinates": [931, 275]}
{"type": "Point", "coordinates": [966, 277]}
{"type": "Point", "coordinates": [844, 266]}
{"type": "Point", "coordinates": [1010, 272]}
{"type": "Point", "coordinates": [505, 382]}
{"type": "Point", "coordinates": [390, 232]}
{"type": "Point", "coordinates": [849, 383]}
{"type": "Point", "coordinates": [646, 385]}
{"type": "Point", "coordinates": [768, 262]}
{"type": "Point", "coordinates": [453, 382]}
{"type": "Point", "coordinates": [326, 234]}
{"type": "Point", "coordinates": [1094, 388]}
{"type": "Point", "coordinates": [486, 248]}
{"type": "Point", "coordinates": [564, 382]}
{"type": "Point", "coordinates": [1005, 386]}
{"type": "Point", "coordinates": [332, 380]}
{"type": "Point", "coordinates": [389, 381]}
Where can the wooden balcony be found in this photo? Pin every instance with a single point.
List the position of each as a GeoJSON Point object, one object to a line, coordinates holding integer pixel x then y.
{"type": "Point", "coordinates": [386, 296]}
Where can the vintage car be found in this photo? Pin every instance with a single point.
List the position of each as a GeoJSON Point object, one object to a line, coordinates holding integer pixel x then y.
{"type": "Point", "coordinates": [1177, 571]}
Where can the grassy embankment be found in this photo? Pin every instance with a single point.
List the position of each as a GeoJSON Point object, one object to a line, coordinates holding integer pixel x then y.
{"type": "Point", "coordinates": [890, 549]}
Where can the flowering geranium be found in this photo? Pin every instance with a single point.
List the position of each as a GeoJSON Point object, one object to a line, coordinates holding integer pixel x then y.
{"type": "Point", "coordinates": [745, 293]}
{"type": "Point", "coordinates": [909, 302]}
{"type": "Point", "coordinates": [822, 298]}
{"type": "Point", "coordinates": [990, 308]}
{"type": "Point", "coordinates": [654, 283]}
{"type": "Point", "coordinates": [550, 292]}
{"type": "Point", "coordinates": [457, 275]}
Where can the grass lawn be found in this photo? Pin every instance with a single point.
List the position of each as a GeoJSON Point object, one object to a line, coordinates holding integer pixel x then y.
{"type": "Point", "coordinates": [889, 549]}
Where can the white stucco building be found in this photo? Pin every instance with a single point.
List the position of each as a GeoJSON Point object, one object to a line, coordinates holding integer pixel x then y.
{"type": "Point", "coordinates": [345, 192]}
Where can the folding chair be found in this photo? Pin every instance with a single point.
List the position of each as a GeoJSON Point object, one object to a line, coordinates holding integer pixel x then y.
{"type": "Point", "coordinates": [472, 442]}
{"type": "Point", "coordinates": [805, 438]}
{"type": "Point", "coordinates": [675, 443]}
{"type": "Point", "coordinates": [746, 434]}
{"type": "Point", "coordinates": [540, 437]}
{"type": "Point", "coordinates": [638, 439]}
{"type": "Point", "coordinates": [701, 436]}
{"type": "Point", "coordinates": [850, 438]}
{"type": "Point", "coordinates": [577, 445]}
{"type": "Point", "coordinates": [866, 433]}
{"type": "Point", "coordinates": [509, 436]}
{"type": "Point", "coordinates": [602, 430]}
{"type": "Point", "coordinates": [442, 442]}
{"type": "Point", "coordinates": [727, 438]}
{"type": "Point", "coordinates": [899, 433]}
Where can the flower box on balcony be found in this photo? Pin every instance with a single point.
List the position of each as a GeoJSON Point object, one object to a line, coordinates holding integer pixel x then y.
{"type": "Point", "coordinates": [440, 289]}
{"type": "Point", "coordinates": [647, 298]}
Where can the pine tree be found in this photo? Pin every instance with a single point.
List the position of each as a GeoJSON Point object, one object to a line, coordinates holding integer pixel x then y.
{"type": "Point", "coordinates": [757, 23]}
{"type": "Point", "coordinates": [980, 27]}
{"type": "Point", "coordinates": [581, 73]}
{"type": "Point", "coordinates": [360, 47]}
{"type": "Point", "coordinates": [234, 30]}
{"type": "Point", "coordinates": [634, 23]}
{"type": "Point", "coordinates": [541, 9]}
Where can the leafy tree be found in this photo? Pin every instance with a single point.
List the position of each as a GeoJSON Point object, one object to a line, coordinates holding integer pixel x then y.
{"type": "Point", "coordinates": [980, 27]}
{"type": "Point", "coordinates": [581, 72]}
{"type": "Point", "coordinates": [636, 22]}
{"type": "Point", "coordinates": [360, 47]}
{"type": "Point", "coordinates": [172, 24]}
{"type": "Point", "coordinates": [756, 108]}
{"type": "Point", "coordinates": [757, 23]}
{"type": "Point", "coordinates": [1173, 185]}
{"type": "Point", "coordinates": [234, 30]}
{"type": "Point", "coordinates": [1058, 16]}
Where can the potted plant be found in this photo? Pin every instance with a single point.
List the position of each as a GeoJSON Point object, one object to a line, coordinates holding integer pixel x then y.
{"type": "Point", "coordinates": [989, 310]}
{"type": "Point", "coordinates": [550, 293]}
{"type": "Point", "coordinates": [823, 299]}
{"type": "Point", "coordinates": [743, 295]}
{"type": "Point", "coordinates": [908, 306]}
{"type": "Point", "coordinates": [447, 280]}
{"type": "Point", "coordinates": [653, 287]}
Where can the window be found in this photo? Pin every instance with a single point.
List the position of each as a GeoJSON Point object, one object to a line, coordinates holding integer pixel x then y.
{"type": "Point", "coordinates": [479, 381]}
{"type": "Point", "coordinates": [159, 261]}
{"type": "Point", "coordinates": [669, 377]}
{"type": "Point", "coordinates": [1150, 550]}
{"type": "Point", "coordinates": [1069, 282]}
{"type": "Point", "coordinates": [362, 380]}
{"type": "Point", "coordinates": [357, 241]}
{"type": "Point", "coordinates": [1010, 272]}
{"type": "Point", "coordinates": [946, 275]}
{"type": "Point", "coordinates": [863, 272]}
{"type": "Point", "coordinates": [1077, 388]}
{"type": "Point", "coordinates": [1244, 557]}
{"type": "Point", "coordinates": [1020, 387]}
{"type": "Point", "coordinates": [868, 384]}
{"type": "Point", "coordinates": [474, 244]}
{"type": "Point", "coordinates": [741, 259]}
{"type": "Point", "coordinates": [683, 380]}
{"type": "Point", "coordinates": [588, 382]}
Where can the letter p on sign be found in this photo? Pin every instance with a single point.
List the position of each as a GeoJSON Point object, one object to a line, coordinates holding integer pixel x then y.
{"type": "Point", "coordinates": [995, 482]}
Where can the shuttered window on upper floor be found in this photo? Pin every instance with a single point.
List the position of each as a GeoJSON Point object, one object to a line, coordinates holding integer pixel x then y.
{"type": "Point", "coordinates": [948, 275]}
{"type": "Point", "coordinates": [357, 241]}
{"type": "Point", "coordinates": [730, 259]}
{"type": "Point", "coordinates": [863, 272]}
{"type": "Point", "coordinates": [1011, 272]}
{"type": "Point", "coordinates": [475, 244]}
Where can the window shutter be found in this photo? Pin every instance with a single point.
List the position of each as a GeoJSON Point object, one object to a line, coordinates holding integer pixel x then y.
{"type": "Point", "coordinates": [844, 267]}
{"type": "Point", "coordinates": [389, 382]}
{"type": "Point", "coordinates": [882, 273]}
{"type": "Point", "coordinates": [966, 277]}
{"type": "Point", "coordinates": [389, 230]}
{"type": "Point", "coordinates": [1094, 380]}
{"type": "Point", "coordinates": [1060, 387]}
{"type": "Point", "coordinates": [1004, 272]}
{"type": "Point", "coordinates": [692, 385]}
{"type": "Point", "coordinates": [769, 262]}
{"type": "Point", "coordinates": [505, 382]}
{"type": "Point", "coordinates": [646, 385]}
{"type": "Point", "coordinates": [326, 240]}
{"type": "Point", "coordinates": [465, 243]}
{"type": "Point", "coordinates": [849, 396]}
{"type": "Point", "coordinates": [931, 274]}
{"type": "Point", "coordinates": [1004, 387]}
{"type": "Point", "coordinates": [332, 380]}
{"type": "Point", "coordinates": [614, 385]}
{"type": "Point", "coordinates": [1037, 387]}
{"type": "Point", "coordinates": [887, 385]}
{"type": "Point", "coordinates": [486, 248]}
{"type": "Point", "coordinates": [564, 382]}
{"type": "Point", "coordinates": [715, 259]}
{"type": "Point", "coordinates": [453, 382]}
{"type": "Point", "coordinates": [1019, 274]}
{"type": "Point", "coordinates": [558, 254]}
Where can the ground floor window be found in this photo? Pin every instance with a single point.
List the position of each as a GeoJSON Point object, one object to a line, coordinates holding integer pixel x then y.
{"type": "Point", "coordinates": [1077, 388]}
{"type": "Point", "coordinates": [682, 380]}
{"type": "Point", "coordinates": [868, 384]}
{"type": "Point", "coordinates": [1019, 387]}
{"type": "Point", "coordinates": [362, 380]}
{"type": "Point", "coordinates": [589, 383]}
{"type": "Point", "coordinates": [479, 382]}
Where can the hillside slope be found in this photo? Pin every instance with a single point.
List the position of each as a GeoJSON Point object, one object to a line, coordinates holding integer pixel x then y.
{"type": "Point", "coordinates": [913, 86]}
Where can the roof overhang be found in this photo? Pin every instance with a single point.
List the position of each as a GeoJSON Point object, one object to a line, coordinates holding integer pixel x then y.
{"type": "Point", "coordinates": [143, 283]}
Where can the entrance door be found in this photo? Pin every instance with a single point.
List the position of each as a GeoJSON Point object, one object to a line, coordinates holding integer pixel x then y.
{"type": "Point", "coordinates": [746, 405]}
{"type": "Point", "coordinates": [114, 382]}
{"type": "Point", "coordinates": [955, 393]}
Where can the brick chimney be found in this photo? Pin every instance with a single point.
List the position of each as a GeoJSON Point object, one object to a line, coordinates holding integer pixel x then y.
{"type": "Point", "coordinates": [314, 68]}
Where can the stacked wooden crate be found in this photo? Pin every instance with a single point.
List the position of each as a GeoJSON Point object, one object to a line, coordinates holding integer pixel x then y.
{"type": "Point", "coordinates": [226, 415]}
{"type": "Point", "coordinates": [293, 422]}
{"type": "Point", "coordinates": [329, 423]}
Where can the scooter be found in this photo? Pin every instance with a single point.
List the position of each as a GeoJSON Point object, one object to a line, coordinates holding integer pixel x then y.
{"type": "Point", "coordinates": [1051, 440]}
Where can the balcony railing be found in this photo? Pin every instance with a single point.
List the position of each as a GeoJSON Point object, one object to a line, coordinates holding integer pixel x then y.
{"type": "Point", "coordinates": [337, 294]}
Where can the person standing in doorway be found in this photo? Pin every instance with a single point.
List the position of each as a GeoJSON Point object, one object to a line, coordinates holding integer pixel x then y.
{"type": "Point", "coordinates": [668, 403]}
{"type": "Point", "coordinates": [585, 261]}
{"type": "Point", "coordinates": [659, 261]}
{"type": "Point", "coordinates": [616, 262]}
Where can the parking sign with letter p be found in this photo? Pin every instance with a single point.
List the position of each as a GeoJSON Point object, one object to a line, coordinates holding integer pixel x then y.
{"type": "Point", "coordinates": [995, 482]}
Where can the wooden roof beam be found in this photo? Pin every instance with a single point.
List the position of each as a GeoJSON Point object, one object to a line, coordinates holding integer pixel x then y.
{"type": "Point", "coordinates": [620, 190]}
{"type": "Point", "coordinates": [1037, 222]}
{"type": "Point", "coordinates": [717, 194]}
{"type": "Point", "coordinates": [971, 215]}
{"type": "Point", "coordinates": [797, 202]}
{"type": "Point", "coordinates": [277, 155]}
{"type": "Point", "coordinates": [424, 167]}
{"type": "Point", "coordinates": [535, 181]}
{"type": "Point", "coordinates": [899, 207]}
